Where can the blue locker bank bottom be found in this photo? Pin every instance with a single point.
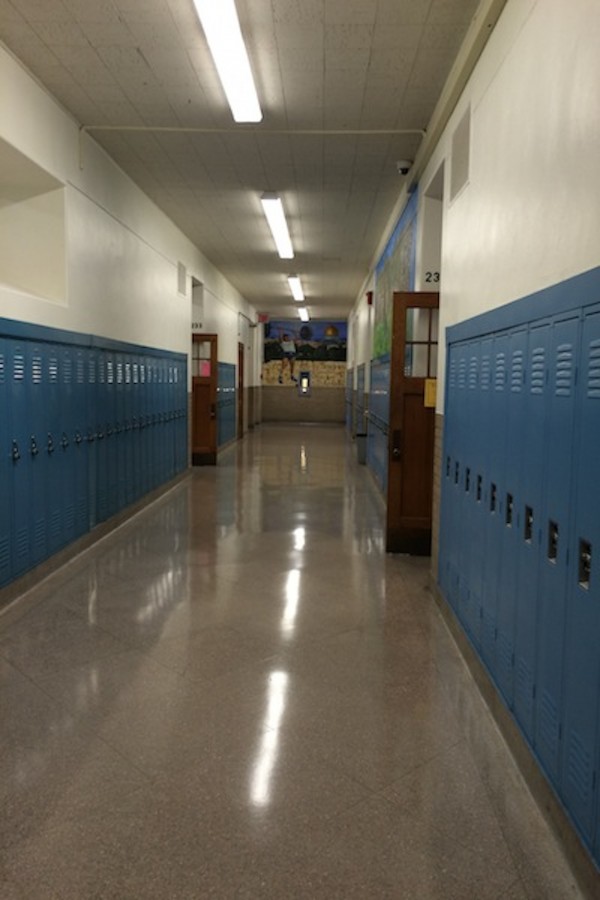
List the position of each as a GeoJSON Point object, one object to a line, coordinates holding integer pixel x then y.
{"type": "Point", "coordinates": [520, 523]}
{"type": "Point", "coordinates": [88, 427]}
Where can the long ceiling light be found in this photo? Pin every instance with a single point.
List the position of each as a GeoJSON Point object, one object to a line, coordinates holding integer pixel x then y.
{"type": "Point", "coordinates": [303, 313]}
{"type": "Point", "coordinates": [296, 288]}
{"type": "Point", "coordinates": [223, 34]}
{"type": "Point", "coordinates": [273, 209]}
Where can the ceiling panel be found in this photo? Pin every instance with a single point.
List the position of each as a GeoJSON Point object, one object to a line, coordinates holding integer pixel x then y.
{"type": "Point", "coordinates": [355, 65]}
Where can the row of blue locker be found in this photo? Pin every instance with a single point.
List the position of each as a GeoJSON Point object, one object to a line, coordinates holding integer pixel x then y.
{"type": "Point", "coordinates": [85, 432]}
{"type": "Point", "coordinates": [520, 535]}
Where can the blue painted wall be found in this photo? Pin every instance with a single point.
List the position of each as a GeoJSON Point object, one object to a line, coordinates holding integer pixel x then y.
{"type": "Point", "coordinates": [520, 522]}
{"type": "Point", "coordinates": [87, 427]}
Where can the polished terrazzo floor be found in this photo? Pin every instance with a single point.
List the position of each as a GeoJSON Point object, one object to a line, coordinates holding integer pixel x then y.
{"type": "Point", "coordinates": [239, 695]}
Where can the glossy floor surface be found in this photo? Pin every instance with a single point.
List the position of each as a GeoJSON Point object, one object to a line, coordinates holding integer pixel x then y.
{"type": "Point", "coordinates": [239, 695]}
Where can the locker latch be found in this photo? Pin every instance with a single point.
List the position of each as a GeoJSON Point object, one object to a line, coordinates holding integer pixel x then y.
{"type": "Point", "coordinates": [509, 510]}
{"type": "Point", "coordinates": [50, 444]}
{"type": "Point", "coordinates": [493, 497]}
{"type": "Point", "coordinates": [585, 563]}
{"type": "Point", "coordinates": [528, 528]}
{"type": "Point", "coordinates": [78, 438]}
{"type": "Point", "coordinates": [33, 447]}
{"type": "Point", "coordinates": [15, 451]}
{"type": "Point", "coordinates": [64, 441]}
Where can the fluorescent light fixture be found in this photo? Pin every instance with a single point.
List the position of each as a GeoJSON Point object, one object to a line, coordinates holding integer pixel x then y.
{"type": "Point", "coordinates": [296, 288]}
{"type": "Point", "coordinates": [273, 209]}
{"type": "Point", "coordinates": [303, 313]}
{"type": "Point", "coordinates": [223, 34]}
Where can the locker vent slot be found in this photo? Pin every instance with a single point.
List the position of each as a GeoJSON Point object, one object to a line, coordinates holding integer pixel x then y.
{"type": "Point", "coordinates": [479, 488]}
{"type": "Point", "coordinates": [452, 375]}
{"type": "Point", "coordinates": [22, 543]}
{"type": "Point", "coordinates": [593, 388]}
{"type": "Point", "coordinates": [135, 373]}
{"type": "Point", "coordinates": [53, 370]}
{"type": "Point", "coordinates": [467, 479]}
{"type": "Point", "coordinates": [579, 767]}
{"type": "Point", "coordinates": [517, 372]}
{"type": "Point", "coordinates": [92, 371]}
{"type": "Point", "coordinates": [528, 524]}
{"type": "Point", "coordinates": [448, 467]}
{"type": "Point", "coordinates": [456, 473]}
{"type": "Point", "coordinates": [2, 369]}
{"type": "Point", "coordinates": [500, 372]}
{"type": "Point", "coordinates": [110, 372]}
{"type": "Point", "coordinates": [39, 535]}
{"type": "Point", "coordinates": [70, 517]}
{"type": "Point", "coordinates": [4, 554]}
{"type": "Point", "coordinates": [67, 370]}
{"type": "Point", "coordinates": [505, 653]}
{"type": "Point", "coordinates": [538, 370]}
{"type": "Point", "coordinates": [119, 373]}
{"type": "Point", "coordinates": [127, 373]}
{"type": "Point", "coordinates": [142, 373]}
{"type": "Point", "coordinates": [462, 373]}
{"type": "Point", "coordinates": [524, 684]}
{"type": "Point", "coordinates": [493, 498]}
{"type": "Point", "coordinates": [36, 370]}
{"type": "Point", "coordinates": [101, 371]}
{"type": "Point", "coordinates": [549, 722]}
{"type": "Point", "coordinates": [80, 370]}
{"type": "Point", "coordinates": [473, 373]}
{"type": "Point", "coordinates": [18, 367]}
{"type": "Point", "coordinates": [55, 520]}
{"type": "Point", "coordinates": [564, 370]}
{"type": "Point", "coordinates": [486, 373]}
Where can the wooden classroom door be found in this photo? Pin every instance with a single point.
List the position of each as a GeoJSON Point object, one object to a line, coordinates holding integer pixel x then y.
{"type": "Point", "coordinates": [204, 399]}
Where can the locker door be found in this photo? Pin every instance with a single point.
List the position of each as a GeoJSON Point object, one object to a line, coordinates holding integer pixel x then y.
{"type": "Point", "coordinates": [494, 497]}
{"type": "Point", "coordinates": [129, 432]}
{"type": "Point", "coordinates": [91, 432]}
{"type": "Point", "coordinates": [20, 421]}
{"type": "Point", "coordinates": [532, 448]}
{"type": "Point", "coordinates": [51, 439]}
{"type": "Point", "coordinates": [447, 512]}
{"type": "Point", "coordinates": [471, 524]}
{"type": "Point", "coordinates": [6, 467]}
{"type": "Point", "coordinates": [511, 515]}
{"type": "Point", "coordinates": [110, 413]}
{"type": "Point", "coordinates": [101, 438]}
{"type": "Point", "coordinates": [582, 633]}
{"type": "Point", "coordinates": [65, 450]}
{"type": "Point", "coordinates": [79, 435]}
{"type": "Point", "coordinates": [36, 378]}
{"type": "Point", "coordinates": [144, 431]}
{"type": "Point", "coordinates": [121, 434]}
{"type": "Point", "coordinates": [553, 529]}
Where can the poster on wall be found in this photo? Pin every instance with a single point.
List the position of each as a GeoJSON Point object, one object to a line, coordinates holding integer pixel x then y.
{"type": "Point", "coordinates": [395, 271]}
{"type": "Point", "coordinates": [320, 341]}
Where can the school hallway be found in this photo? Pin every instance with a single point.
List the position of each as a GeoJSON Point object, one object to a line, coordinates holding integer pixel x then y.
{"type": "Point", "coordinates": [238, 694]}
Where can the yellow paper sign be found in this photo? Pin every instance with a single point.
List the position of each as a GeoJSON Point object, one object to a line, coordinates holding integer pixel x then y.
{"type": "Point", "coordinates": [430, 391]}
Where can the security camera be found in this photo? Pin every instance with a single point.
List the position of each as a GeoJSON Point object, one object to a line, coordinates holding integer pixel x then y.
{"type": "Point", "coordinates": [403, 166]}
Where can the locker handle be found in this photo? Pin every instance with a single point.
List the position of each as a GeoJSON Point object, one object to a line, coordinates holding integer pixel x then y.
{"type": "Point", "coordinates": [78, 438]}
{"type": "Point", "coordinates": [15, 451]}
{"type": "Point", "coordinates": [64, 442]}
{"type": "Point", "coordinates": [33, 447]}
{"type": "Point", "coordinates": [50, 444]}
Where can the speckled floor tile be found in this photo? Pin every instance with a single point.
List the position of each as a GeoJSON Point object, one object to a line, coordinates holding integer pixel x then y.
{"type": "Point", "coordinates": [239, 695]}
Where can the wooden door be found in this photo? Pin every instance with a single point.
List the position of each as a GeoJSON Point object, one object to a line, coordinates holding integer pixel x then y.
{"type": "Point", "coordinates": [204, 399]}
{"type": "Point", "coordinates": [412, 423]}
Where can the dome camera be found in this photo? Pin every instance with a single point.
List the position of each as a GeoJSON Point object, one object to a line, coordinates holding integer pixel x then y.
{"type": "Point", "coordinates": [403, 166]}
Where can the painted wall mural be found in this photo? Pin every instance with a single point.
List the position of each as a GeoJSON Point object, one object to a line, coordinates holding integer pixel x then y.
{"type": "Point", "coordinates": [318, 347]}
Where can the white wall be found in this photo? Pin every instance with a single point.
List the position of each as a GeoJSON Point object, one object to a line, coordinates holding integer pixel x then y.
{"type": "Point", "coordinates": [529, 216]}
{"type": "Point", "coordinates": [122, 253]}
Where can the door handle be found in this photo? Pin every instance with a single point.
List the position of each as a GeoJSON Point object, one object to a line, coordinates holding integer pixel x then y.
{"type": "Point", "coordinates": [213, 412]}
{"type": "Point", "coordinates": [396, 444]}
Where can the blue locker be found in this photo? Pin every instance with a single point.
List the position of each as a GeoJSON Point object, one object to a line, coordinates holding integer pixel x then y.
{"type": "Point", "coordinates": [495, 464]}
{"type": "Point", "coordinates": [582, 634]}
{"type": "Point", "coordinates": [555, 513]}
{"type": "Point", "coordinates": [6, 467]}
{"type": "Point", "coordinates": [53, 405]}
{"type": "Point", "coordinates": [461, 571]}
{"type": "Point", "coordinates": [511, 515]}
{"type": "Point", "coordinates": [20, 451]}
{"type": "Point", "coordinates": [153, 426]}
{"type": "Point", "coordinates": [120, 431]}
{"type": "Point", "coordinates": [79, 435]}
{"type": "Point", "coordinates": [91, 366]}
{"type": "Point", "coordinates": [532, 451]}
{"type": "Point", "coordinates": [129, 433]}
{"type": "Point", "coordinates": [110, 431]}
{"type": "Point", "coordinates": [36, 381]}
{"type": "Point", "coordinates": [66, 423]}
